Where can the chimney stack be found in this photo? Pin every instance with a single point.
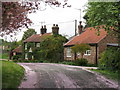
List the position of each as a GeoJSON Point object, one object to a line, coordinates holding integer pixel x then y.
{"type": "Point", "coordinates": [55, 29]}
{"type": "Point", "coordinates": [43, 29]}
{"type": "Point", "coordinates": [80, 28]}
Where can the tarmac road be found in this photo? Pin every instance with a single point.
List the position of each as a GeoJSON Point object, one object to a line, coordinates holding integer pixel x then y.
{"type": "Point", "coordinates": [46, 75]}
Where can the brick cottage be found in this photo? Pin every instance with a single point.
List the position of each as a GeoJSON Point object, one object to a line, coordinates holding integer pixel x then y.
{"type": "Point", "coordinates": [98, 44]}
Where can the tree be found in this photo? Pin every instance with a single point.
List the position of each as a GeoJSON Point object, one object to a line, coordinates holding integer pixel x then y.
{"type": "Point", "coordinates": [14, 14]}
{"type": "Point", "coordinates": [28, 33]}
{"type": "Point", "coordinates": [80, 48]}
{"type": "Point", "coordinates": [52, 49]}
{"type": "Point", "coordinates": [106, 14]}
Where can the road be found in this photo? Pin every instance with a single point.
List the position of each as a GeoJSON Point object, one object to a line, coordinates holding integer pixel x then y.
{"type": "Point", "coordinates": [46, 75]}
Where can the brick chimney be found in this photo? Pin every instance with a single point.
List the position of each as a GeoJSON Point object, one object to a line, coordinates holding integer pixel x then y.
{"type": "Point", "coordinates": [43, 29]}
{"type": "Point", "coordinates": [80, 28]}
{"type": "Point", "coordinates": [55, 29]}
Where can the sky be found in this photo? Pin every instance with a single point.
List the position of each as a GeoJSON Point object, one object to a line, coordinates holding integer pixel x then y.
{"type": "Point", "coordinates": [64, 17]}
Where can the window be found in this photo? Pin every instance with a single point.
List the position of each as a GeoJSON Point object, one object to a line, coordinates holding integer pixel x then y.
{"type": "Point", "coordinates": [78, 54]}
{"type": "Point", "coordinates": [38, 45]}
{"type": "Point", "coordinates": [68, 52]}
{"type": "Point", "coordinates": [30, 50]}
{"type": "Point", "coordinates": [26, 56]}
{"type": "Point", "coordinates": [88, 52]}
{"type": "Point", "coordinates": [25, 46]}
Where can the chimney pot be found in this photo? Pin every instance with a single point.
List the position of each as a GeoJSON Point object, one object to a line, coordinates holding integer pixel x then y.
{"type": "Point", "coordinates": [44, 26]}
{"type": "Point", "coordinates": [43, 29]}
{"type": "Point", "coordinates": [55, 29]}
{"type": "Point", "coordinates": [80, 27]}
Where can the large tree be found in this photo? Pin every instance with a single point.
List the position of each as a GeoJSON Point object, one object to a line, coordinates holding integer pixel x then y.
{"type": "Point", "coordinates": [28, 33]}
{"type": "Point", "coordinates": [14, 14]}
{"type": "Point", "coordinates": [52, 49]}
{"type": "Point", "coordinates": [104, 13]}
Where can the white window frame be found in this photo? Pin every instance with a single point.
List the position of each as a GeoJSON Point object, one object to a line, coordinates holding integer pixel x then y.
{"type": "Point", "coordinates": [30, 50]}
{"type": "Point", "coordinates": [37, 44]}
{"type": "Point", "coordinates": [68, 53]}
{"type": "Point", "coordinates": [78, 54]}
{"type": "Point", "coordinates": [26, 56]}
{"type": "Point", "coordinates": [25, 46]}
{"type": "Point", "coordinates": [87, 52]}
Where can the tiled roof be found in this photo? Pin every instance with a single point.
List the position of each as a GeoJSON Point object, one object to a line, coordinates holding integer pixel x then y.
{"type": "Point", "coordinates": [18, 49]}
{"type": "Point", "coordinates": [89, 36]}
{"type": "Point", "coordinates": [36, 37]}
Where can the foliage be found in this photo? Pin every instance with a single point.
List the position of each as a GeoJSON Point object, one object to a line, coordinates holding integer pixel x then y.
{"type": "Point", "coordinates": [104, 13]}
{"type": "Point", "coordinates": [80, 48]}
{"type": "Point", "coordinates": [110, 59]}
{"type": "Point", "coordinates": [109, 74]}
{"type": "Point", "coordinates": [4, 55]}
{"type": "Point", "coordinates": [14, 14]}
{"type": "Point", "coordinates": [81, 62]}
{"type": "Point", "coordinates": [67, 62]}
{"type": "Point", "coordinates": [26, 51]}
{"type": "Point", "coordinates": [52, 48]}
{"type": "Point", "coordinates": [12, 74]}
{"type": "Point", "coordinates": [10, 45]}
{"type": "Point", "coordinates": [28, 33]}
{"type": "Point", "coordinates": [16, 57]}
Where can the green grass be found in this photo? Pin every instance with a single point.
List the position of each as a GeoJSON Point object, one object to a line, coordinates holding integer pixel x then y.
{"type": "Point", "coordinates": [12, 74]}
{"type": "Point", "coordinates": [109, 74]}
{"type": "Point", "coordinates": [4, 55]}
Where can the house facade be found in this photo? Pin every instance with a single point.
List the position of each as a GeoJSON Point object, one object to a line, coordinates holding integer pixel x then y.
{"type": "Point", "coordinates": [33, 42]}
{"type": "Point", "coordinates": [98, 43]}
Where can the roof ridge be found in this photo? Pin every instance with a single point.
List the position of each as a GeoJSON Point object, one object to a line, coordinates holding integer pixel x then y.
{"type": "Point", "coordinates": [70, 40]}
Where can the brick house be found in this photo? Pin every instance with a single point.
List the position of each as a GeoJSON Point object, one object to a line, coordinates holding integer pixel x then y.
{"type": "Point", "coordinates": [89, 36]}
{"type": "Point", "coordinates": [36, 39]}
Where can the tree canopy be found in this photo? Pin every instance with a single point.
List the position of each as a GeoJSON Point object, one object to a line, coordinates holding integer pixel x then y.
{"type": "Point", "coordinates": [104, 13]}
{"type": "Point", "coordinates": [14, 14]}
{"type": "Point", "coordinates": [52, 48]}
{"type": "Point", "coordinates": [80, 48]}
{"type": "Point", "coordinates": [28, 33]}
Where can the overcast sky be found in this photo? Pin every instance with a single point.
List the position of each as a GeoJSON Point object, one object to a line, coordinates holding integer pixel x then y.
{"type": "Point", "coordinates": [64, 17]}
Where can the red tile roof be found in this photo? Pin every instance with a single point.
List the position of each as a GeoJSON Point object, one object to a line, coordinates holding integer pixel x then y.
{"type": "Point", "coordinates": [89, 36]}
{"type": "Point", "coordinates": [36, 37]}
{"type": "Point", "coordinates": [18, 49]}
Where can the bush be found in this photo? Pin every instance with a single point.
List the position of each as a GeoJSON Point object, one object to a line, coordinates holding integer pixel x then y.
{"type": "Point", "coordinates": [81, 62]}
{"type": "Point", "coordinates": [110, 59]}
{"type": "Point", "coordinates": [67, 62]}
{"type": "Point", "coordinates": [16, 57]}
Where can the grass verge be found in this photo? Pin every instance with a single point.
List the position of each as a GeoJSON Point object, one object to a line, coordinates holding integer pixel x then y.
{"type": "Point", "coordinates": [12, 74]}
{"type": "Point", "coordinates": [4, 55]}
{"type": "Point", "coordinates": [109, 74]}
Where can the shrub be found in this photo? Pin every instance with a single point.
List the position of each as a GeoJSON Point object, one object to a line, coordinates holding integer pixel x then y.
{"type": "Point", "coordinates": [81, 62]}
{"type": "Point", "coordinates": [16, 57]}
{"type": "Point", "coordinates": [110, 59]}
{"type": "Point", "coordinates": [67, 62]}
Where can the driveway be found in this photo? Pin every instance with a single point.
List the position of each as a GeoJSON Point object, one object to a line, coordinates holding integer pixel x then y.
{"type": "Point", "coordinates": [46, 75]}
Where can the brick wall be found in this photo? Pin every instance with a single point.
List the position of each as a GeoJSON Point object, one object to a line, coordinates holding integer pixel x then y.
{"type": "Point", "coordinates": [91, 58]}
{"type": "Point", "coordinates": [103, 43]}
{"type": "Point", "coordinates": [65, 55]}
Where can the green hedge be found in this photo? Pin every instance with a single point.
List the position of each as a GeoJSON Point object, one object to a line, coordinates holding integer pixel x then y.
{"type": "Point", "coordinates": [110, 59]}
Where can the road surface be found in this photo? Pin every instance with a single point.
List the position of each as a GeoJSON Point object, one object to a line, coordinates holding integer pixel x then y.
{"type": "Point", "coordinates": [46, 75]}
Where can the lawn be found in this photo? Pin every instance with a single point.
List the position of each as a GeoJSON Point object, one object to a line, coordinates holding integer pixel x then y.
{"type": "Point", "coordinates": [12, 74]}
{"type": "Point", "coordinates": [109, 74]}
{"type": "Point", "coordinates": [4, 56]}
